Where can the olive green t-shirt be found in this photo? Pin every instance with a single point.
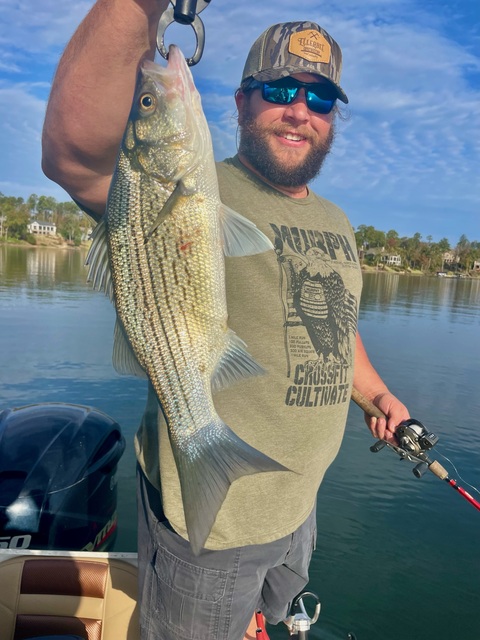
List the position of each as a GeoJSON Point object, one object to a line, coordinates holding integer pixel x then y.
{"type": "Point", "coordinates": [296, 308]}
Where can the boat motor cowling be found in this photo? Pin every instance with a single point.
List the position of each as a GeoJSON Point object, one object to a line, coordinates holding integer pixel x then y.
{"type": "Point", "coordinates": [58, 477]}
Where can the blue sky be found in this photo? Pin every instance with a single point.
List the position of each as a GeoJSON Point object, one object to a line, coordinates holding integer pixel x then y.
{"type": "Point", "coordinates": [406, 158]}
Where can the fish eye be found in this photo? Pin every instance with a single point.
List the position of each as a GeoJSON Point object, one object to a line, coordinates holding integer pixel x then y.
{"type": "Point", "coordinates": [147, 102]}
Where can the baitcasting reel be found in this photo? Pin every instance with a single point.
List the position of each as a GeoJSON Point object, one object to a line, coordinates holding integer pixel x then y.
{"type": "Point", "coordinates": [414, 440]}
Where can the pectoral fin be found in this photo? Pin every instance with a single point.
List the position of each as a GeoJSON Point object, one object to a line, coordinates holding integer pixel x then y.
{"type": "Point", "coordinates": [180, 191]}
{"type": "Point", "coordinates": [241, 237]}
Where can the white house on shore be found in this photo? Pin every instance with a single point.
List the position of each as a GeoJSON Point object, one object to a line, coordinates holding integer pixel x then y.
{"type": "Point", "coordinates": [391, 259]}
{"type": "Point", "coordinates": [42, 228]}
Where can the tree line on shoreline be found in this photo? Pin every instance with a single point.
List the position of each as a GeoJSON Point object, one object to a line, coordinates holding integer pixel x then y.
{"type": "Point", "coordinates": [16, 214]}
{"type": "Point", "coordinates": [374, 246]}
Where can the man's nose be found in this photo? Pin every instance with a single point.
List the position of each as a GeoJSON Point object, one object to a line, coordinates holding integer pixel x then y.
{"type": "Point", "coordinates": [297, 109]}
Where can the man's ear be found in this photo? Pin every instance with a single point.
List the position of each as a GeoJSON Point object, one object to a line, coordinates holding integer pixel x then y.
{"type": "Point", "coordinates": [240, 99]}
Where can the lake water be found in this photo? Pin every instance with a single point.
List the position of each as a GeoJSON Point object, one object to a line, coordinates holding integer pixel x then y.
{"type": "Point", "coordinates": [398, 558]}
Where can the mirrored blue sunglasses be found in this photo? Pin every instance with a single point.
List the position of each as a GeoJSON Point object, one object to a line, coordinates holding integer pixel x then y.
{"type": "Point", "coordinates": [319, 97]}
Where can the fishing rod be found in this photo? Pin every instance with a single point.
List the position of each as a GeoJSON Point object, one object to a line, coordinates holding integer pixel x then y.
{"type": "Point", "coordinates": [414, 441]}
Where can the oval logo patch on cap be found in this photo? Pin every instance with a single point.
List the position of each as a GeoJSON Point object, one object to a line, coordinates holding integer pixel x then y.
{"type": "Point", "coordinates": [310, 45]}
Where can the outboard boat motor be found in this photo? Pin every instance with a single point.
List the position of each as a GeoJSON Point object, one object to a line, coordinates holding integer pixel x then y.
{"type": "Point", "coordinates": [58, 477]}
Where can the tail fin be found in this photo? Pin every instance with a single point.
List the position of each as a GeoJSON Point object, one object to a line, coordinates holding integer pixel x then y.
{"type": "Point", "coordinates": [207, 467]}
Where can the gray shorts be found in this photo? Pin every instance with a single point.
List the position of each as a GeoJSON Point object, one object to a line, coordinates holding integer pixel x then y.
{"type": "Point", "coordinates": [214, 595]}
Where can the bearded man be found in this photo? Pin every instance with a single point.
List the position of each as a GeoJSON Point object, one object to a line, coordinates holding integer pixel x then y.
{"type": "Point", "coordinates": [281, 302]}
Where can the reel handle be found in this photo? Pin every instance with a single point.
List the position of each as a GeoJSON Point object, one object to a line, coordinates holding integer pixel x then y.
{"type": "Point", "coordinates": [378, 446]}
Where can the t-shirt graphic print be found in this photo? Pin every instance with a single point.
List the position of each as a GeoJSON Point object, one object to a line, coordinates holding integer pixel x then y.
{"type": "Point", "coordinates": [320, 315]}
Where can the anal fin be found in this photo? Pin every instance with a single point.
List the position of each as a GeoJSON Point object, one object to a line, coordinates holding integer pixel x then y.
{"type": "Point", "coordinates": [234, 364]}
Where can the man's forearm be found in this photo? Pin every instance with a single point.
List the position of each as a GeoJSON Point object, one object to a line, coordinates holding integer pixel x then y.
{"type": "Point", "coordinates": [92, 94]}
{"type": "Point", "coordinates": [366, 379]}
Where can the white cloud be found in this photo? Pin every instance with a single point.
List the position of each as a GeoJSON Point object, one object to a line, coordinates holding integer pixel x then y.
{"type": "Point", "coordinates": [38, 26]}
{"type": "Point", "coordinates": [410, 146]}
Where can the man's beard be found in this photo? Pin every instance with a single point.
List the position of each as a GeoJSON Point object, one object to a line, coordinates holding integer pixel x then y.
{"type": "Point", "coordinates": [255, 148]}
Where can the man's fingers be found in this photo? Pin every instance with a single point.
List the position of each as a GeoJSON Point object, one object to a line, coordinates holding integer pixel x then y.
{"type": "Point", "coordinates": [378, 427]}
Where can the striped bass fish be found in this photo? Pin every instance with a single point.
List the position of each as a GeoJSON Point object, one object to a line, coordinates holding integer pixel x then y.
{"type": "Point", "coordinates": [159, 254]}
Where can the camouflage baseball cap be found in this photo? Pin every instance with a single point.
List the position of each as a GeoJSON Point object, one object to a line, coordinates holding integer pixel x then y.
{"type": "Point", "coordinates": [295, 47]}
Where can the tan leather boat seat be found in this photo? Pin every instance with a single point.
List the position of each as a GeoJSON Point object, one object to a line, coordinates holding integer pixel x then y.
{"type": "Point", "coordinates": [95, 599]}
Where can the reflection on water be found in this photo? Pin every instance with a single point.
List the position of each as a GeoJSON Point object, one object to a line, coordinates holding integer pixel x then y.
{"type": "Point", "coordinates": [36, 271]}
{"type": "Point", "coordinates": [397, 294]}
{"type": "Point", "coordinates": [397, 557]}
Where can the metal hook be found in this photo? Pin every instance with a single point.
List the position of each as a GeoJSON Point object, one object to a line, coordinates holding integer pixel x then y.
{"type": "Point", "coordinates": [183, 12]}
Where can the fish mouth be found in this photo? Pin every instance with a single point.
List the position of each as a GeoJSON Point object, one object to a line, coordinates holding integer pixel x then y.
{"type": "Point", "coordinates": [176, 77]}
{"type": "Point", "coordinates": [178, 64]}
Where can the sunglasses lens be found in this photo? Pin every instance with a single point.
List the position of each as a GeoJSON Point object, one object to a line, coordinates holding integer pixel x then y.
{"type": "Point", "coordinates": [319, 96]}
{"type": "Point", "coordinates": [318, 104]}
{"type": "Point", "coordinates": [279, 95]}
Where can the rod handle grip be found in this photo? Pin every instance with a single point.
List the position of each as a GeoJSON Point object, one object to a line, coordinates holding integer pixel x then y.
{"type": "Point", "coordinates": [436, 468]}
{"type": "Point", "coordinates": [367, 406]}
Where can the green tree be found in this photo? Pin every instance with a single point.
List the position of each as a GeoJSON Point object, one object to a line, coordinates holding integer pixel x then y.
{"type": "Point", "coordinates": [68, 208]}
{"type": "Point", "coordinates": [433, 255]}
{"type": "Point", "coordinates": [73, 224]}
{"type": "Point", "coordinates": [415, 252]}
{"type": "Point", "coordinates": [32, 202]}
{"type": "Point", "coordinates": [368, 236]}
{"type": "Point", "coordinates": [475, 252]}
{"type": "Point", "coordinates": [15, 217]}
{"type": "Point", "coordinates": [444, 244]}
{"type": "Point", "coordinates": [463, 251]}
{"type": "Point", "coordinates": [46, 208]}
{"type": "Point", "coordinates": [71, 229]}
{"type": "Point", "coordinates": [392, 239]}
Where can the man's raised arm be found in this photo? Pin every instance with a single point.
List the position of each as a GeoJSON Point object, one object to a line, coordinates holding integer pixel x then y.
{"type": "Point", "coordinates": [92, 95]}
